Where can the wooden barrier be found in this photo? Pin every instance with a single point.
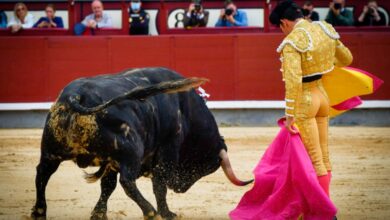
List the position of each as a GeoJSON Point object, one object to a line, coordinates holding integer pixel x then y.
{"type": "Point", "coordinates": [240, 66]}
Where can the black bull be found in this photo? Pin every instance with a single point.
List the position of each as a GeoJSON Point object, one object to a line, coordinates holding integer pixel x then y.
{"type": "Point", "coordinates": [141, 122]}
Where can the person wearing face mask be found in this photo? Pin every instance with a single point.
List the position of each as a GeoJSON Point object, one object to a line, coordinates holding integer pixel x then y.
{"type": "Point", "coordinates": [338, 15]}
{"type": "Point", "coordinates": [138, 19]}
{"type": "Point", "coordinates": [50, 21]}
{"type": "Point", "coordinates": [232, 17]}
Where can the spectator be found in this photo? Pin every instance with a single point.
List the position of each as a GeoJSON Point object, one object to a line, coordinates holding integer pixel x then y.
{"type": "Point", "coordinates": [309, 13]}
{"type": "Point", "coordinates": [195, 16]}
{"type": "Point", "coordinates": [338, 15]}
{"type": "Point", "coordinates": [230, 16]}
{"type": "Point", "coordinates": [98, 19]}
{"type": "Point", "coordinates": [3, 19]}
{"type": "Point", "coordinates": [22, 18]}
{"type": "Point", "coordinates": [50, 21]}
{"type": "Point", "coordinates": [371, 16]}
{"type": "Point", "coordinates": [138, 19]}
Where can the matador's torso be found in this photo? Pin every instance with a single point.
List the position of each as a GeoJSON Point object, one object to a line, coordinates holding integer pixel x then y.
{"type": "Point", "coordinates": [311, 49]}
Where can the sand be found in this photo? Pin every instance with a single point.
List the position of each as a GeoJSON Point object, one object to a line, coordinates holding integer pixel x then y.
{"type": "Point", "coordinates": [360, 187]}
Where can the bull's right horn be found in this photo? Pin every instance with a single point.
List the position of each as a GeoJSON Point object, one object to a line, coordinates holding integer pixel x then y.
{"type": "Point", "coordinates": [227, 169]}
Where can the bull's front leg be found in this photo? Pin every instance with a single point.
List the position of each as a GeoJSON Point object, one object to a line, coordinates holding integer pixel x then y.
{"type": "Point", "coordinates": [160, 191]}
{"type": "Point", "coordinates": [45, 169]}
{"type": "Point", "coordinates": [127, 180]}
{"type": "Point", "coordinates": [107, 184]}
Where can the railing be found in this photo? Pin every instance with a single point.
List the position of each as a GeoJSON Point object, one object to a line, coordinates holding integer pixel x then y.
{"type": "Point", "coordinates": [78, 9]}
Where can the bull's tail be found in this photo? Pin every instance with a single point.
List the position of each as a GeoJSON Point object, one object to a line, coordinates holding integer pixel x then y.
{"type": "Point", "coordinates": [173, 86]}
{"type": "Point", "coordinates": [93, 177]}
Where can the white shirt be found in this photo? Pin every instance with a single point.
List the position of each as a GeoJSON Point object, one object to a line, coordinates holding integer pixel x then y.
{"type": "Point", "coordinates": [106, 20]}
{"type": "Point", "coordinates": [28, 21]}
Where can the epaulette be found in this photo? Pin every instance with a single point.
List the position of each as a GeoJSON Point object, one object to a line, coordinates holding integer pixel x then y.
{"type": "Point", "coordinates": [299, 39]}
{"type": "Point", "coordinates": [328, 29]}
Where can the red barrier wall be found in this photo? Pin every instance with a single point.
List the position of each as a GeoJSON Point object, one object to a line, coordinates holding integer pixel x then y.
{"type": "Point", "coordinates": [240, 66]}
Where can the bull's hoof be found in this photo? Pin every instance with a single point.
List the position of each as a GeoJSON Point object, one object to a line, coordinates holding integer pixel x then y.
{"type": "Point", "coordinates": [38, 213]}
{"type": "Point", "coordinates": [152, 216]}
{"type": "Point", "coordinates": [99, 216]}
{"type": "Point", "coordinates": [169, 215]}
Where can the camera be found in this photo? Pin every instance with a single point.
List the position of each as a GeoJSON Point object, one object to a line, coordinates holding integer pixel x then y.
{"type": "Point", "coordinates": [197, 5]}
{"type": "Point", "coordinates": [337, 6]}
{"type": "Point", "coordinates": [197, 8]}
{"type": "Point", "coordinates": [305, 12]}
{"type": "Point", "coordinates": [371, 10]}
{"type": "Point", "coordinates": [228, 11]}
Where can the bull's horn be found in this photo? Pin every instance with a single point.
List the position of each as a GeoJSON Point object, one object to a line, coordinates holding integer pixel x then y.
{"type": "Point", "coordinates": [227, 169]}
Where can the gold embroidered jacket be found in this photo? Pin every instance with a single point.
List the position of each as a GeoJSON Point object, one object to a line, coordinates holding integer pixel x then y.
{"type": "Point", "coordinates": [310, 49]}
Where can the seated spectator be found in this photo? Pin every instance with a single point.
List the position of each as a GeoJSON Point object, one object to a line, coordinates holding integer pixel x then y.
{"type": "Point", "coordinates": [22, 19]}
{"type": "Point", "coordinates": [138, 19]}
{"type": "Point", "coordinates": [195, 16]}
{"type": "Point", "coordinates": [338, 15]}
{"type": "Point", "coordinates": [371, 16]}
{"type": "Point", "coordinates": [309, 13]}
{"type": "Point", "coordinates": [98, 19]}
{"type": "Point", "coordinates": [230, 16]}
{"type": "Point", "coordinates": [3, 19]}
{"type": "Point", "coordinates": [50, 21]}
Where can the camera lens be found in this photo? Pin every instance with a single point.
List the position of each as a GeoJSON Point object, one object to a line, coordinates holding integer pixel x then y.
{"type": "Point", "coordinates": [228, 11]}
{"type": "Point", "coordinates": [305, 12]}
{"type": "Point", "coordinates": [337, 5]}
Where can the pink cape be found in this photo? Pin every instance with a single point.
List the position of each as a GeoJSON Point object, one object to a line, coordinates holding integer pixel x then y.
{"type": "Point", "coordinates": [286, 185]}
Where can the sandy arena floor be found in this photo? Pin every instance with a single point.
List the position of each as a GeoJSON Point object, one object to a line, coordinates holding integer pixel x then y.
{"type": "Point", "coordinates": [360, 187]}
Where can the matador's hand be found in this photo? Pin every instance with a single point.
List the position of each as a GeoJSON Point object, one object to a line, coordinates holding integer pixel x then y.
{"type": "Point", "coordinates": [289, 125]}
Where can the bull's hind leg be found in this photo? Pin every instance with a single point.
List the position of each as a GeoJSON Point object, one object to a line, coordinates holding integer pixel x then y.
{"type": "Point", "coordinates": [127, 180]}
{"type": "Point", "coordinates": [45, 169]}
{"type": "Point", "coordinates": [107, 184]}
{"type": "Point", "coordinates": [160, 191]}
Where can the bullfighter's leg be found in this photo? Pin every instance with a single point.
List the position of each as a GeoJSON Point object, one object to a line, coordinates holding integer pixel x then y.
{"type": "Point", "coordinates": [107, 185]}
{"type": "Point", "coordinates": [127, 180]}
{"type": "Point", "coordinates": [160, 191]}
{"type": "Point", "coordinates": [45, 169]}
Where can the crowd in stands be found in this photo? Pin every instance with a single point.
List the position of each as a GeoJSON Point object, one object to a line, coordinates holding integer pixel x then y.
{"type": "Point", "coordinates": [194, 16]}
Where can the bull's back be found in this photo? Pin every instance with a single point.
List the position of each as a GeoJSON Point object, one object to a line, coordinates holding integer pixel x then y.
{"type": "Point", "coordinates": [99, 89]}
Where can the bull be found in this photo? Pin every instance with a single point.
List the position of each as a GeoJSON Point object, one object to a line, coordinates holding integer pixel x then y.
{"type": "Point", "coordinates": [141, 122]}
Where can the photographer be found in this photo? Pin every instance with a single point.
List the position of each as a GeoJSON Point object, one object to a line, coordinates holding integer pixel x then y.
{"type": "Point", "coordinates": [371, 16]}
{"type": "Point", "coordinates": [138, 19]}
{"type": "Point", "coordinates": [195, 16]}
{"type": "Point", "coordinates": [338, 15]}
{"type": "Point", "coordinates": [230, 16]}
{"type": "Point", "coordinates": [309, 13]}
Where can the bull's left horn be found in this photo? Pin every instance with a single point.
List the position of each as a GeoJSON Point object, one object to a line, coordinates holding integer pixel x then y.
{"type": "Point", "coordinates": [227, 169]}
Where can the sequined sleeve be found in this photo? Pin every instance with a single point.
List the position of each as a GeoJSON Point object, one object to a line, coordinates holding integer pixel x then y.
{"type": "Point", "coordinates": [292, 73]}
{"type": "Point", "coordinates": [343, 56]}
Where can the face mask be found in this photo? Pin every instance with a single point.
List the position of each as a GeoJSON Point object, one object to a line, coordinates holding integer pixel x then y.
{"type": "Point", "coordinates": [136, 6]}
